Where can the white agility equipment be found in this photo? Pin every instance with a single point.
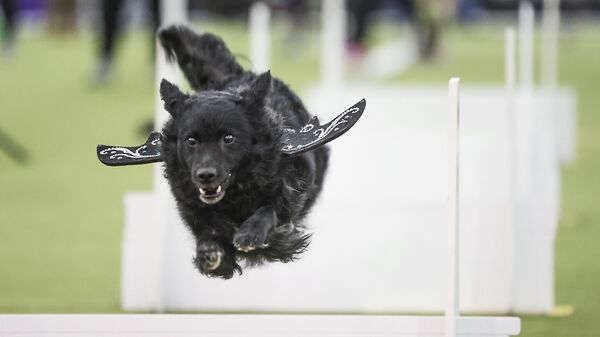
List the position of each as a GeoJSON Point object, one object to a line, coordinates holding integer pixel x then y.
{"type": "Point", "coordinates": [332, 42]}
{"type": "Point", "coordinates": [260, 37]}
{"type": "Point", "coordinates": [450, 325]}
{"type": "Point", "coordinates": [550, 32]}
{"type": "Point", "coordinates": [393, 245]}
{"type": "Point", "coordinates": [514, 141]}
{"type": "Point", "coordinates": [453, 291]}
{"type": "Point", "coordinates": [526, 44]}
{"type": "Point", "coordinates": [249, 326]}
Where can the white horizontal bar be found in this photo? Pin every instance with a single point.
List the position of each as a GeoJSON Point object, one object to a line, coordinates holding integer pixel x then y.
{"type": "Point", "coordinates": [249, 325]}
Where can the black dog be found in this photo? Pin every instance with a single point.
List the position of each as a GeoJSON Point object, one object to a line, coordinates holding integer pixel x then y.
{"type": "Point", "coordinates": [243, 200]}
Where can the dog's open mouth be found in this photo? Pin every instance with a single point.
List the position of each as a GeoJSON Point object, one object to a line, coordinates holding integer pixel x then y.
{"type": "Point", "coordinates": [212, 195]}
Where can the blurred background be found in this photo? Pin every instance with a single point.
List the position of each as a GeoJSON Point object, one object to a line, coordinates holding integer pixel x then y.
{"type": "Point", "coordinates": [77, 73]}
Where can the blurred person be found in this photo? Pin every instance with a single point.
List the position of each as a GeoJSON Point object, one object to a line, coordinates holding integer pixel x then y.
{"type": "Point", "coordinates": [7, 38]}
{"type": "Point", "coordinates": [427, 20]}
{"type": "Point", "coordinates": [62, 15]}
{"type": "Point", "coordinates": [296, 12]}
{"type": "Point", "coordinates": [468, 10]}
{"type": "Point", "coordinates": [359, 12]}
{"type": "Point", "coordinates": [425, 16]}
{"type": "Point", "coordinates": [227, 8]}
{"type": "Point", "coordinates": [111, 30]}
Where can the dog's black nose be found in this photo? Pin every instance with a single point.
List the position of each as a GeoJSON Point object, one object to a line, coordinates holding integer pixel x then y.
{"type": "Point", "coordinates": [206, 175]}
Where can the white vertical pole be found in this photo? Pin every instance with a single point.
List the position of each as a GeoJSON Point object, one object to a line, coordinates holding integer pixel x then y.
{"type": "Point", "coordinates": [172, 12]}
{"type": "Point", "coordinates": [333, 27]}
{"type": "Point", "coordinates": [161, 187]}
{"type": "Point", "coordinates": [525, 97]}
{"type": "Point", "coordinates": [510, 74]}
{"type": "Point", "coordinates": [452, 305]}
{"type": "Point", "coordinates": [167, 71]}
{"type": "Point", "coordinates": [526, 43]}
{"type": "Point", "coordinates": [525, 126]}
{"type": "Point", "coordinates": [510, 62]}
{"type": "Point", "coordinates": [260, 37]}
{"type": "Point", "coordinates": [551, 28]}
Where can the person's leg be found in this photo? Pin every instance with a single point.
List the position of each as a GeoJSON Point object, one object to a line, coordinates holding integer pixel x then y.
{"type": "Point", "coordinates": [155, 13]}
{"type": "Point", "coordinates": [426, 18]}
{"type": "Point", "coordinates": [155, 22]}
{"type": "Point", "coordinates": [358, 12]}
{"type": "Point", "coordinates": [110, 28]}
{"type": "Point", "coordinates": [9, 9]}
{"type": "Point", "coordinates": [110, 32]}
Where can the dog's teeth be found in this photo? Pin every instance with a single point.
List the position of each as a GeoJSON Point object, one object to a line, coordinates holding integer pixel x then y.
{"type": "Point", "coordinates": [203, 192]}
{"type": "Point", "coordinates": [219, 189]}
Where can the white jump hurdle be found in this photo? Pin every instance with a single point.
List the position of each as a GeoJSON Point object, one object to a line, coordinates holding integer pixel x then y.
{"type": "Point", "coordinates": [249, 326]}
{"type": "Point", "coordinates": [405, 122]}
{"type": "Point", "coordinates": [450, 325]}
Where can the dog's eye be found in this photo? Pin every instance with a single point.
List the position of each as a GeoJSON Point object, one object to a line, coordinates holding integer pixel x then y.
{"type": "Point", "coordinates": [191, 141]}
{"type": "Point", "coordinates": [228, 138]}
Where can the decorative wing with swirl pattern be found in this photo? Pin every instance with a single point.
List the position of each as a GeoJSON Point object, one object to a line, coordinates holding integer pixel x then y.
{"type": "Point", "coordinates": [294, 141]}
{"type": "Point", "coordinates": [312, 135]}
{"type": "Point", "coordinates": [149, 152]}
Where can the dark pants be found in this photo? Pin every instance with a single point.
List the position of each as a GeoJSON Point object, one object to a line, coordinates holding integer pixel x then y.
{"type": "Point", "coordinates": [111, 29]}
{"type": "Point", "coordinates": [426, 26]}
{"type": "Point", "coordinates": [359, 11]}
{"type": "Point", "coordinates": [9, 9]}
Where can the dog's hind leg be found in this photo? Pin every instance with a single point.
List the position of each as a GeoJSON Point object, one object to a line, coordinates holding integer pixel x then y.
{"type": "Point", "coordinates": [254, 231]}
{"type": "Point", "coordinates": [203, 58]}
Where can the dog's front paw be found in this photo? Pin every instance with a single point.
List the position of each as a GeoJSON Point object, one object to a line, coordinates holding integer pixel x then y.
{"type": "Point", "coordinates": [249, 238]}
{"type": "Point", "coordinates": [208, 256]}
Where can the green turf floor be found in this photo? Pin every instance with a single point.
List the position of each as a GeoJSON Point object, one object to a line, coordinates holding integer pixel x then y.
{"type": "Point", "coordinates": [61, 214]}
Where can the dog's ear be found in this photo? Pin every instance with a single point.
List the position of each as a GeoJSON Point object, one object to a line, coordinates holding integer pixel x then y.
{"type": "Point", "coordinates": [172, 96]}
{"type": "Point", "coordinates": [258, 89]}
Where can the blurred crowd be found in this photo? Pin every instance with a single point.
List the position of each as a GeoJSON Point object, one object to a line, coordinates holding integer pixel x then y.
{"type": "Point", "coordinates": [109, 17]}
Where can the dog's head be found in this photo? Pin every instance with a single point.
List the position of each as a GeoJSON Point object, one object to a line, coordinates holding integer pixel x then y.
{"type": "Point", "coordinates": [214, 132]}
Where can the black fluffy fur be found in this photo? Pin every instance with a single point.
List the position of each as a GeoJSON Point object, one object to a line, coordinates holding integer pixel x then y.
{"type": "Point", "coordinates": [259, 219]}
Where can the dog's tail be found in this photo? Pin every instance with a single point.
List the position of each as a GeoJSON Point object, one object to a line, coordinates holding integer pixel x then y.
{"type": "Point", "coordinates": [203, 58]}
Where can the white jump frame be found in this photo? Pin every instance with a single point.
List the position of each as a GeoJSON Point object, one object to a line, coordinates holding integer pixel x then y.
{"type": "Point", "coordinates": [450, 325]}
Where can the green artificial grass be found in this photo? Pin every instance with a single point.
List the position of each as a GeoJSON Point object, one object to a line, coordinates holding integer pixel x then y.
{"type": "Point", "coordinates": [61, 214]}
